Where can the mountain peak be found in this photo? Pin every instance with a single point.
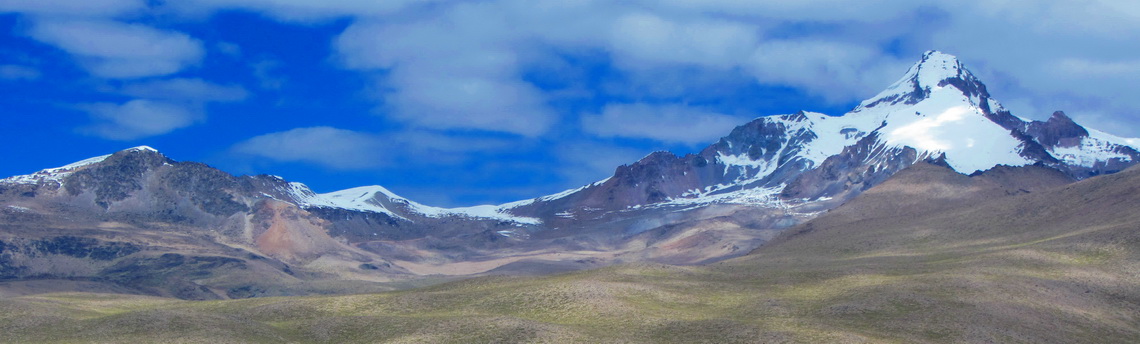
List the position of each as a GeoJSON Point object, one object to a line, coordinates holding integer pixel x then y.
{"type": "Point", "coordinates": [141, 149]}
{"type": "Point", "coordinates": [1060, 116]}
{"type": "Point", "coordinates": [935, 70]}
{"type": "Point", "coordinates": [935, 67]}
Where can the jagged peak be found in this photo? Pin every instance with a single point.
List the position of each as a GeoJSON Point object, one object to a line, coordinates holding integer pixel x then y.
{"type": "Point", "coordinates": [145, 150]}
{"type": "Point", "coordinates": [936, 66]}
{"type": "Point", "coordinates": [933, 71]}
{"type": "Point", "coordinates": [141, 149]}
{"type": "Point", "coordinates": [1060, 116]}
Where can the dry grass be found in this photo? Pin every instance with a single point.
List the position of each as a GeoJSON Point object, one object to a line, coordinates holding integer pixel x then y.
{"type": "Point", "coordinates": [1028, 268]}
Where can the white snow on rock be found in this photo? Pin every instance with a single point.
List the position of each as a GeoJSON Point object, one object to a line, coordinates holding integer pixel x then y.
{"type": "Point", "coordinates": [57, 174]}
{"type": "Point", "coordinates": [378, 199]}
{"type": "Point", "coordinates": [768, 196]}
{"type": "Point", "coordinates": [945, 121]}
{"type": "Point", "coordinates": [1097, 147]}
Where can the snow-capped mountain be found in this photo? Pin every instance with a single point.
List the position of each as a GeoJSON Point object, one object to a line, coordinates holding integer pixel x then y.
{"type": "Point", "coordinates": [765, 175]}
{"type": "Point", "coordinates": [378, 199]}
{"type": "Point", "coordinates": [938, 110]}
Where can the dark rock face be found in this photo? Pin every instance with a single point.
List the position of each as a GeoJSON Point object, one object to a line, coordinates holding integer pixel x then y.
{"type": "Point", "coordinates": [661, 176]}
{"type": "Point", "coordinates": [207, 188]}
{"type": "Point", "coordinates": [857, 168]}
{"type": "Point", "coordinates": [1058, 131]}
{"type": "Point", "coordinates": [15, 254]}
{"type": "Point", "coordinates": [83, 248]}
{"type": "Point", "coordinates": [116, 177]}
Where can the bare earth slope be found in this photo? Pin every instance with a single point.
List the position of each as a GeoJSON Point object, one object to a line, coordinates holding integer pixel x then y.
{"type": "Point", "coordinates": [1003, 256]}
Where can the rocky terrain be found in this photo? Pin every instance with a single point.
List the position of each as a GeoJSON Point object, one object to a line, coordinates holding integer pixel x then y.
{"type": "Point", "coordinates": [1011, 255]}
{"type": "Point", "coordinates": [140, 222]}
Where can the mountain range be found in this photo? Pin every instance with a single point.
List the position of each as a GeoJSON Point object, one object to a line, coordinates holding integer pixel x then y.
{"type": "Point", "coordinates": [1010, 255]}
{"type": "Point", "coordinates": [138, 221]}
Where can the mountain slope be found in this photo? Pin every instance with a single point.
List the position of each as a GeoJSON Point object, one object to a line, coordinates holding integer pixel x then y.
{"type": "Point", "coordinates": [139, 221]}
{"type": "Point", "coordinates": [1011, 255]}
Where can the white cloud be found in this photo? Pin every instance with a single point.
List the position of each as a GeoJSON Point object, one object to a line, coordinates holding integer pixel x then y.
{"type": "Point", "coordinates": [85, 8]}
{"type": "Point", "coordinates": [472, 102]}
{"type": "Point", "coordinates": [838, 71]}
{"type": "Point", "coordinates": [17, 72]}
{"type": "Point", "coordinates": [1125, 69]}
{"type": "Point", "coordinates": [667, 123]}
{"type": "Point", "coordinates": [187, 89]}
{"type": "Point", "coordinates": [330, 147]}
{"type": "Point", "coordinates": [352, 150]}
{"type": "Point", "coordinates": [461, 64]}
{"type": "Point", "coordinates": [644, 38]}
{"type": "Point", "coordinates": [118, 50]}
{"type": "Point", "coordinates": [138, 119]}
{"type": "Point", "coordinates": [454, 72]}
{"type": "Point", "coordinates": [801, 10]}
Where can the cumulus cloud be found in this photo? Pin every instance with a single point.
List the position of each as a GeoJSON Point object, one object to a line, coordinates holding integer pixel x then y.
{"type": "Point", "coordinates": [138, 119]}
{"type": "Point", "coordinates": [822, 47]}
{"type": "Point", "coordinates": [459, 66]}
{"type": "Point", "coordinates": [667, 123]}
{"type": "Point", "coordinates": [453, 72]}
{"type": "Point", "coordinates": [160, 107]}
{"type": "Point", "coordinates": [329, 147]}
{"type": "Point", "coordinates": [117, 50]}
{"type": "Point", "coordinates": [838, 71]}
{"type": "Point", "coordinates": [462, 66]}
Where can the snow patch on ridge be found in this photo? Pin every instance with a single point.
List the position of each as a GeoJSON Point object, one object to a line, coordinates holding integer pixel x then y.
{"type": "Point", "coordinates": [1097, 147]}
{"type": "Point", "coordinates": [55, 175]}
{"type": "Point", "coordinates": [373, 199]}
{"type": "Point", "coordinates": [768, 196]}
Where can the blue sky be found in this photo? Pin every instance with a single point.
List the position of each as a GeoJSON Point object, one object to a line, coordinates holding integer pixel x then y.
{"type": "Point", "coordinates": [470, 102]}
